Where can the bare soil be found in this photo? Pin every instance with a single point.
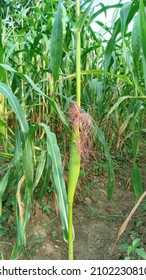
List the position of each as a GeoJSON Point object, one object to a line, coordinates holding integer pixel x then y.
{"type": "Point", "coordinates": [96, 221]}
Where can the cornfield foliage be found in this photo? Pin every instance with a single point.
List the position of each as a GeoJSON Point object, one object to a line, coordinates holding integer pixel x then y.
{"type": "Point", "coordinates": [39, 72]}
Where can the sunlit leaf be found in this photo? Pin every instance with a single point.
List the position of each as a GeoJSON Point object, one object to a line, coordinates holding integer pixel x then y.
{"type": "Point", "coordinates": [124, 11]}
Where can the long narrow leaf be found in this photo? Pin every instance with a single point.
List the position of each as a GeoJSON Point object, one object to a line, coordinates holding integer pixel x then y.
{"type": "Point", "coordinates": [142, 26]}
{"type": "Point", "coordinates": [40, 168]}
{"type": "Point", "coordinates": [3, 185]}
{"type": "Point", "coordinates": [2, 71]}
{"type": "Point", "coordinates": [136, 180]}
{"type": "Point", "coordinates": [28, 165]}
{"type": "Point", "coordinates": [40, 92]}
{"type": "Point", "coordinates": [111, 178]}
{"type": "Point", "coordinates": [83, 17]}
{"type": "Point", "coordinates": [136, 46]}
{"type": "Point", "coordinates": [14, 104]}
{"type": "Point", "coordinates": [17, 150]}
{"type": "Point", "coordinates": [46, 177]}
{"type": "Point", "coordinates": [56, 43]}
{"type": "Point", "coordinates": [120, 100]}
{"type": "Point", "coordinates": [124, 12]}
{"type": "Point", "coordinates": [58, 178]}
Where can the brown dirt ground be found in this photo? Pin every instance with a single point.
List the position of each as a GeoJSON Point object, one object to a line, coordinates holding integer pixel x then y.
{"type": "Point", "coordinates": [96, 221]}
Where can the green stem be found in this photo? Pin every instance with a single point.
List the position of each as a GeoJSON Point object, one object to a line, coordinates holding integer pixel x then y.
{"type": "Point", "coordinates": [78, 57]}
{"type": "Point", "coordinates": [74, 164]}
{"type": "Point", "coordinates": [70, 228]}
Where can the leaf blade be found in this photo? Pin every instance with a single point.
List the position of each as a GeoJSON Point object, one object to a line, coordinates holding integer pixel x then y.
{"type": "Point", "coordinates": [56, 44]}
{"type": "Point", "coordinates": [54, 153]}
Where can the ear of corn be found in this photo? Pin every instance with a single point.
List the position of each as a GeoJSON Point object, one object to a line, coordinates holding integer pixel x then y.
{"type": "Point", "coordinates": [74, 167]}
{"type": "Point", "coordinates": [73, 176]}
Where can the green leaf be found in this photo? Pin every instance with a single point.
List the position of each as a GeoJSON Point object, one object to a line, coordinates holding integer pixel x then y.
{"type": "Point", "coordinates": [141, 253]}
{"type": "Point", "coordinates": [136, 48]}
{"type": "Point", "coordinates": [124, 12]}
{"type": "Point", "coordinates": [136, 242]}
{"type": "Point", "coordinates": [103, 9]}
{"type": "Point", "coordinates": [3, 185]}
{"type": "Point", "coordinates": [100, 94]}
{"type": "Point", "coordinates": [41, 93]}
{"type": "Point", "coordinates": [46, 177]}
{"type": "Point", "coordinates": [27, 157]}
{"type": "Point", "coordinates": [110, 45]}
{"type": "Point", "coordinates": [142, 26]}
{"type": "Point", "coordinates": [17, 150]}
{"type": "Point", "coordinates": [136, 180]}
{"type": "Point", "coordinates": [100, 71]}
{"type": "Point", "coordinates": [111, 178]}
{"type": "Point", "coordinates": [123, 246]}
{"type": "Point", "coordinates": [2, 71]}
{"type": "Point", "coordinates": [40, 168]}
{"type": "Point", "coordinates": [56, 44]}
{"type": "Point", "coordinates": [54, 153]}
{"type": "Point", "coordinates": [14, 104]}
{"type": "Point", "coordinates": [120, 100]}
{"type": "Point", "coordinates": [135, 43]}
{"type": "Point", "coordinates": [3, 232]}
{"type": "Point", "coordinates": [116, 30]}
{"type": "Point", "coordinates": [79, 25]}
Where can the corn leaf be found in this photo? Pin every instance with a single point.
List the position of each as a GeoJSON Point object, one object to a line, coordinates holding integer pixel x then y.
{"type": "Point", "coordinates": [83, 17]}
{"type": "Point", "coordinates": [142, 26]}
{"type": "Point", "coordinates": [125, 124]}
{"type": "Point", "coordinates": [136, 180]}
{"type": "Point", "coordinates": [20, 243]}
{"type": "Point", "coordinates": [2, 71]}
{"type": "Point", "coordinates": [116, 31]}
{"type": "Point", "coordinates": [56, 44]}
{"type": "Point", "coordinates": [103, 9]}
{"type": "Point", "coordinates": [120, 100]}
{"type": "Point", "coordinates": [124, 12]}
{"type": "Point", "coordinates": [111, 44]}
{"type": "Point", "coordinates": [17, 150]}
{"type": "Point", "coordinates": [54, 153]}
{"type": "Point", "coordinates": [3, 185]}
{"type": "Point", "coordinates": [40, 168]}
{"type": "Point", "coordinates": [111, 178]}
{"type": "Point", "coordinates": [51, 102]}
{"type": "Point", "coordinates": [100, 71]}
{"type": "Point", "coordinates": [46, 177]}
{"type": "Point", "coordinates": [135, 43]}
{"type": "Point", "coordinates": [14, 104]}
{"type": "Point", "coordinates": [41, 93]}
{"type": "Point", "coordinates": [28, 165]}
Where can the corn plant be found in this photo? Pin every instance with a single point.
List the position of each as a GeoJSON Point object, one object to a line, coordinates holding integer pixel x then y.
{"type": "Point", "coordinates": [55, 69]}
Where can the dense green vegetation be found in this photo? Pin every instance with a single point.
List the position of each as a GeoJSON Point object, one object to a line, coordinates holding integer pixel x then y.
{"type": "Point", "coordinates": [61, 83]}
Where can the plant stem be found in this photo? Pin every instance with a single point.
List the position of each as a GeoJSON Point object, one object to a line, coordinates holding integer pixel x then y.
{"type": "Point", "coordinates": [78, 57]}
{"type": "Point", "coordinates": [74, 164]}
{"type": "Point", "coordinates": [70, 228]}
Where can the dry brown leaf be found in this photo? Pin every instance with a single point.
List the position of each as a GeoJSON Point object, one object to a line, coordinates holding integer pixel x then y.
{"type": "Point", "coordinates": [18, 197]}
